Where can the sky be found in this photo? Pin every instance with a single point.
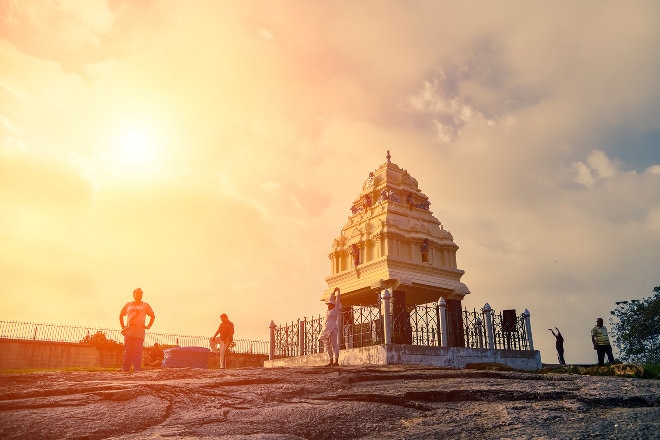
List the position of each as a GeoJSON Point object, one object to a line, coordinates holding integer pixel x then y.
{"type": "Point", "coordinates": [209, 152]}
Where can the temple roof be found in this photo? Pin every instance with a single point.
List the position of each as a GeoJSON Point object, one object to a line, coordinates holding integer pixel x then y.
{"type": "Point", "coordinates": [392, 240]}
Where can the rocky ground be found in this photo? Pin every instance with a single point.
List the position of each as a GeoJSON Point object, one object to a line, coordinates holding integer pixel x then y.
{"type": "Point", "coordinates": [391, 402]}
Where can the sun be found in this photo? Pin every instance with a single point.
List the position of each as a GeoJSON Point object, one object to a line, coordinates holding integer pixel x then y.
{"type": "Point", "coordinates": [137, 149]}
{"type": "Point", "coordinates": [136, 152]}
{"type": "Point", "coordinates": [131, 149]}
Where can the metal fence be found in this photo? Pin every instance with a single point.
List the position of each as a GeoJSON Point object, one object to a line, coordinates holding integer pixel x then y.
{"type": "Point", "coordinates": [361, 326]}
{"type": "Point", "coordinates": [69, 333]}
{"type": "Point", "coordinates": [421, 325]}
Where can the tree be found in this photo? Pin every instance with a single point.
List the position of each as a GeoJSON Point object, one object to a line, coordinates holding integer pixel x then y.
{"type": "Point", "coordinates": [99, 339]}
{"type": "Point", "coordinates": [637, 329]}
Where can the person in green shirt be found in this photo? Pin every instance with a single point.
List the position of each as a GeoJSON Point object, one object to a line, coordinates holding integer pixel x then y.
{"type": "Point", "coordinates": [601, 342]}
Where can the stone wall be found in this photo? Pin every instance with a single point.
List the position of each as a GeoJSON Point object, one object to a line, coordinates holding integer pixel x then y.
{"type": "Point", "coordinates": [16, 354]}
{"type": "Point", "coordinates": [238, 360]}
{"type": "Point", "coordinates": [20, 354]}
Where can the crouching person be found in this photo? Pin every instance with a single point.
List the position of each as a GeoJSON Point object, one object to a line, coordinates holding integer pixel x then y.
{"type": "Point", "coordinates": [224, 336]}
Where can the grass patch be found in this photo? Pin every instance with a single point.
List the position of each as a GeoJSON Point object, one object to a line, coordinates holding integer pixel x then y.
{"type": "Point", "coordinates": [652, 371]}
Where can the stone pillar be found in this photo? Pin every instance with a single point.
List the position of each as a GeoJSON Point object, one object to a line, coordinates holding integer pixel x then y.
{"type": "Point", "coordinates": [489, 325]}
{"type": "Point", "coordinates": [528, 327]}
{"type": "Point", "coordinates": [271, 352]}
{"type": "Point", "coordinates": [443, 320]}
{"type": "Point", "coordinates": [340, 327]}
{"type": "Point", "coordinates": [301, 337]}
{"type": "Point", "coordinates": [387, 316]}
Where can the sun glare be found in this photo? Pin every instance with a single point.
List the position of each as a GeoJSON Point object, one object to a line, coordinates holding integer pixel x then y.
{"type": "Point", "coordinates": [134, 153]}
{"type": "Point", "coordinates": [137, 149]}
{"type": "Point", "coordinates": [132, 148]}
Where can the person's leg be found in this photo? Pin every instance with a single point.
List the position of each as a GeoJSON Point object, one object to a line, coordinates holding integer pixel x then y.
{"type": "Point", "coordinates": [610, 355]}
{"type": "Point", "coordinates": [224, 345]}
{"type": "Point", "coordinates": [137, 359]}
{"type": "Point", "coordinates": [601, 355]}
{"type": "Point", "coordinates": [561, 357]}
{"type": "Point", "coordinates": [128, 354]}
{"type": "Point", "coordinates": [328, 348]}
{"type": "Point", "coordinates": [335, 346]}
{"type": "Point", "coordinates": [213, 342]}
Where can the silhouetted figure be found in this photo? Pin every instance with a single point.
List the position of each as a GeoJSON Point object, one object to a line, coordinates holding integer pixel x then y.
{"type": "Point", "coordinates": [601, 343]}
{"type": "Point", "coordinates": [134, 330]}
{"type": "Point", "coordinates": [226, 337]}
{"type": "Point", "coordinates": [330, 333]}
{"type": "Point", "coordinates": [155, 356]}
{"type": "Point", "coordinates": [559, 344]}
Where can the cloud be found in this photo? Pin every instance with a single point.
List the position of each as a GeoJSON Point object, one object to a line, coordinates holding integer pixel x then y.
{"type": "Point", "coordinates": [69, 33]}
{"type": "Point", "coordinates": [267, 120]}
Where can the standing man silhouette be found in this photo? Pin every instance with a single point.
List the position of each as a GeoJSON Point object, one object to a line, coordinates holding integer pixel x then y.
{"type": "Point", "coordinates": [601, 343]}
{"type": "Point", "coordinates": [560, 345]}
{"type": "Point", "coordinates": [134, 330]}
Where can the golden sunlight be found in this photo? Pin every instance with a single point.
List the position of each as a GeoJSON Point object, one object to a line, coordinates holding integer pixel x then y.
{"type": "Point", "coordinates": [134, 151]}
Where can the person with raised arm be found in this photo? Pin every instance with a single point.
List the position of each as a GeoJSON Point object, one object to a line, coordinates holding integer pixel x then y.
{"type": "Point", "coordinates": [330, 333]}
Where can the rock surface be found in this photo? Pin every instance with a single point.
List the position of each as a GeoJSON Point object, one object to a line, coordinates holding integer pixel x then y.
{"type": "Point", "coordinates": [391, 402]}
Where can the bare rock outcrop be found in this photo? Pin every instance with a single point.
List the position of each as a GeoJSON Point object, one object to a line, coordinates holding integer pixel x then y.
{"type": "Point", "coordinates": [391, 402]}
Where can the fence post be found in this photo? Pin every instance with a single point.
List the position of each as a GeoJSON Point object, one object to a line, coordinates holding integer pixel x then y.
{"type": "Point", "coordinates": [528, 327]}
{"type": "Point", "coordinates": [489, 325]}
{"type": "Point", "coordinates": [301, 337]}
{"type": "Point", "coordinates": [443, 321]}
{"type": "Point", "coordinates": [271, 352]}
{"type": "Point", "coordinates": [387, 316]}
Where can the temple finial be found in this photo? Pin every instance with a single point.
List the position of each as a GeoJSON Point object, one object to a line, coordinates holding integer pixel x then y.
{"type": "Point", "coordinates": [388, 156]}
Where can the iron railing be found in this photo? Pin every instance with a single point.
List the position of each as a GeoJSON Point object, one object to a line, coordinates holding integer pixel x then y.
{"type": "Point", "coordinates": [509, 334]}
{"type": "Point", "coordinates": [362, 326]}
{"type": "Point", "coordinates": [421, 325]}
{"type": "Point", "coordinates": [74, 334]}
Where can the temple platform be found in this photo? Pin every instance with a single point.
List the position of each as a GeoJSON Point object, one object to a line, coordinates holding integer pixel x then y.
{"type": "Point", "coordinates": [398, 354]}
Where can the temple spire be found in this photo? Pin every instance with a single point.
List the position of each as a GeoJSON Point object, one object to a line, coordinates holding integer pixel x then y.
{"type": "Point", "coordinates": [388, 156]}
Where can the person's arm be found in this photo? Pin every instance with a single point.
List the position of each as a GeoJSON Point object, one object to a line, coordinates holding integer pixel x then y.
{"type": "Point", "coordinates": [122, 313]}
{"type": "Point", "coordinates": [152, 318]}
{"type": "Point", "coordinates": [216, 333]}
{"type": "Point", "coordinates": [337, 310]}
{"type": "Point", "coordinates": [593, 338]}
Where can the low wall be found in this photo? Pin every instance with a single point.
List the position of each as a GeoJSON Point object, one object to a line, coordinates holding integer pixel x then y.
{"type": "Point", "coordinates": [21, 354]}
{"type": "Point", "coordinates": [454, 357]}
{"type": "Point", "coordinates": [238, 360]}
{"type": "Point", "coordinates": [17, 354]}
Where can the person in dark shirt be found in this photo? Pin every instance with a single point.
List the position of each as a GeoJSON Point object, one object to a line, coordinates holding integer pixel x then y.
{"type": "Point", "coordinates": [559, 344]}
{"type": "Point", "coordinates": [225, 338]}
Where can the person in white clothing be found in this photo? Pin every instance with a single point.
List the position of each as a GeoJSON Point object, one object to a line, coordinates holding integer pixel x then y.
{"type": "Point", "coordinates": [330, 333]}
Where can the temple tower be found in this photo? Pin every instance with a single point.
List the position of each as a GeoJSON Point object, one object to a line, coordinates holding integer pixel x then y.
{"type": "Point", "coordinates": [392, 241]}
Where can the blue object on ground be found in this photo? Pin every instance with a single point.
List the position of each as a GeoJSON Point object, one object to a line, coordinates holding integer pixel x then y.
{"type": "Point", "coordinates": [186, 357]}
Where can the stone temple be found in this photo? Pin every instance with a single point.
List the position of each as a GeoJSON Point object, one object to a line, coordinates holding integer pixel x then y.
{"type": "Point", "coordinates": [401, 291]}
{"type": "Point", "coordinates": [392, 241]}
